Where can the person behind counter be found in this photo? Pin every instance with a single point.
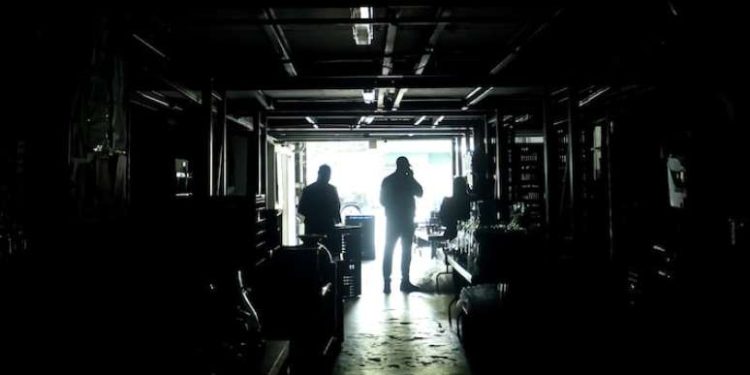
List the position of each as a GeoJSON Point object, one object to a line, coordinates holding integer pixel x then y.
{"type": "Point", "coordinates": [454, 208]}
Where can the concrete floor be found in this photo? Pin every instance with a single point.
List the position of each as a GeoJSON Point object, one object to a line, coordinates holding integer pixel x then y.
{"type": "Point", "coordinates": [401, 333]}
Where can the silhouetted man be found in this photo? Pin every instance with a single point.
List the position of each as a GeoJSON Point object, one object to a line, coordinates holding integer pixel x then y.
{"type": "Point", "coordinates": [320, 205]}
{"type": "Point", "coordinates": [397, 196]}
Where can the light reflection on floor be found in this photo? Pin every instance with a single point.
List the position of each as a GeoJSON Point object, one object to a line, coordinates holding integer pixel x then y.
{"type": "Point", "coordinates": [400, 333]}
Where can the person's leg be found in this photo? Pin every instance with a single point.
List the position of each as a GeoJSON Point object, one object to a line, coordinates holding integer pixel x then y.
{"type": "Point", "coordinates": [407, 237]}
{"type": "Point", "coordinates": [391, 236]}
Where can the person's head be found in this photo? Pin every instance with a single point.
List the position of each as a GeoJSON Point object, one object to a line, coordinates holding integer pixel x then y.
{"type": "Point", "coordinates": [402, 164]}
{"type": "Point", "coordinates": [324, 173]}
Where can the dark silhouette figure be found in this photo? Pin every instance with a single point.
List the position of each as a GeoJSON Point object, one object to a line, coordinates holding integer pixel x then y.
{"type": "Point", "coordinates": [320, 205]}
{"type": "Point", "coordinates": [397, 196]}
{"type": "Point", "coordinates": [454, 208]}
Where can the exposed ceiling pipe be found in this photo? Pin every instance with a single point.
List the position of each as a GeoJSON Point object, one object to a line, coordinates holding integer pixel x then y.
{"type": "Point", "coordinates": [387, 67]}
{"type": "Point", "coordinates": [403, 21]}
{"type": "Point", "coordinates": [399, 98]}
{"type": "Point", "coordinates": [390, 42]}
{"type": "Point", "coordinates": [437, 121]}
{"type": "Point", "coordinates": [154, 98]}
{"type": "Point", "coordinates": [279, 41]}
{"type": "Point", "coordinates": [424, 60]}
{"type": "Point", "coordinates": [479, 97]}
{"type": "Point", "coordinates": [511, 56]}
{"type": "Point", "coordinates": [472, 93]}
{"type": "Point", "coordinates": [263, 99]}
{"type": "Point", "coordinates": [592, 96]}
{"type": "Point", "coordinates": [150, 47]}
{"type": "Point", "coordinates": [402, 127]}
{"type": "Point", "coordinates": [291, 114]}
{"type": "Point", "coordinates": [241, 121]}
{"type": "Point", "coordinates": [312, 122]}
{"type": "Point", "coordinates": [190, 95]}
{"type": "Point", "coordinates": [357, 82]}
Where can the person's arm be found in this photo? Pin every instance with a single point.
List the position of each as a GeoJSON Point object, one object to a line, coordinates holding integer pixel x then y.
{"type": "Point", "coordinates": [383, 194]}
{"type": "Point", "coordinates": [337, 205]}
{"type": "Point", "coordinates": [417, 187]}
{"type": "Point", "coordinates": [302, 209]}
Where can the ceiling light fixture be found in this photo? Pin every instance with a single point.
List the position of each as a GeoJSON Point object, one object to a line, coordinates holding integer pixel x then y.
{"type": "Point", "coordinates": [437, 121]}
{"type": "Point", "coordinates": [481, 96]}
{"type": "Point", "coordinates": [311, 121]}
{"type": "Point", "coordinates": [362, 31]}
{"type": "Point", "coordinates": [476, 90]}
{"type": "Point", "coordinates": [365, 120]}
{"type": "Point", "coordinates": [368, 95]}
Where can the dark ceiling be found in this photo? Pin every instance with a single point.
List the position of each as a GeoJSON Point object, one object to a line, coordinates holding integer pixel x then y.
{"type": "Point", "coordinates": [457, 59]}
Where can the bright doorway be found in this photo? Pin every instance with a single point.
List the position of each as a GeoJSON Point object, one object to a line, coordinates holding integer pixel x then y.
{"type": "Point", "coordinates": [359, 167]}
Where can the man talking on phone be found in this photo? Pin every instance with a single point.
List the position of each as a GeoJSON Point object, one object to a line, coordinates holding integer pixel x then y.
{"type": "Point", "coordinates": [397, 194]}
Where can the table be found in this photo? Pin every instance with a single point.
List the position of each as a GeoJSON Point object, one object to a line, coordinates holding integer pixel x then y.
{"type": "Point", "coordinates": [430, 234]}
{"type": "Point", "coordinates": [459, 269]}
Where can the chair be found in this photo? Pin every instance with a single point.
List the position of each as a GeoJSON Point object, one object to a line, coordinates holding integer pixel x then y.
{"type": "Point", "coordinates": [439, 241]}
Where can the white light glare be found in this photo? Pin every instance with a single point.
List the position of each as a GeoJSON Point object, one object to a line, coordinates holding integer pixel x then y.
{"type": "Point", "coordinates": [365, 12]}
{"type": "Point", "coordinates": [368, 96]}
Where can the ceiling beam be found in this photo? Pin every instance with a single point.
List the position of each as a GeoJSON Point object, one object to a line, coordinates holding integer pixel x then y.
{"type": "Point", "coordinates": [375, 127]}
{"type": "Point", "coordinates": [425, 58]}
{"type": "Point", "coordinates": [390, 43]}
{"type": "Point", "coordinates": [263, 99]}
{"type": "Point", "coordinates": [369, 130]}
{"type": "Point", "coordinates": [247, 106]}
{"type": "Point", "coordinates": [387, 68]}
{"type": "Point", "coordinates": [478, 93]}
{"type": "Point", "coordinates": [391, 19]}
{"type": "Point", "coordinates": [306, 4]}
{"type": "Point", "coordinates": [238, 82]}
{"type": "Point", "coordinates": [355, 113]}
{"type": "Point", "coordinates": [403, 56]}
{"type": "Point", "coordinates": [279, 41]}
{"type": "Point", "coordinates": [361, 136]}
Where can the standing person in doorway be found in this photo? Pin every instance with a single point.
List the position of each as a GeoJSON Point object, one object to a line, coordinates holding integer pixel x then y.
{"type": "Point", "coordinates": [397, 196]}
{"type": "Point", "coordinates": [320, 206]}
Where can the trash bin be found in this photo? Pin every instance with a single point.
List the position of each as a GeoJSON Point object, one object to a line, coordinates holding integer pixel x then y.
{"type": "Point", "coordinates": [367, 244]}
